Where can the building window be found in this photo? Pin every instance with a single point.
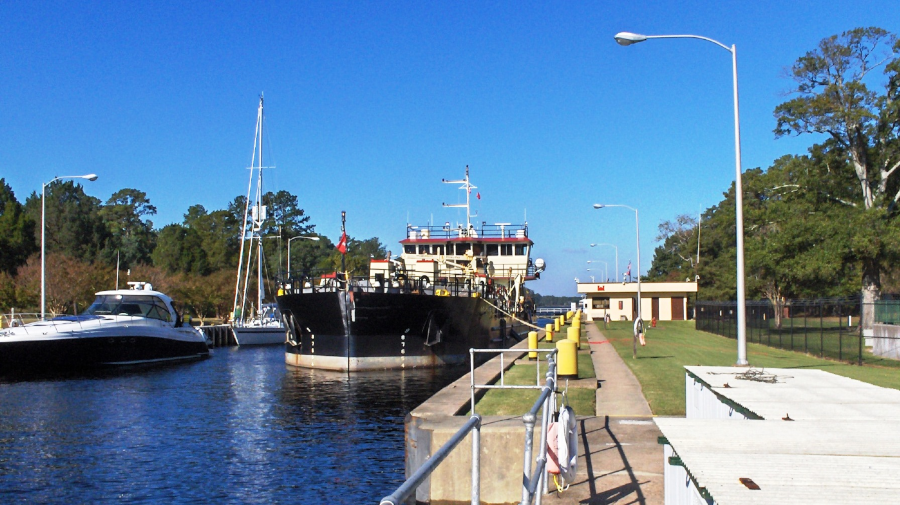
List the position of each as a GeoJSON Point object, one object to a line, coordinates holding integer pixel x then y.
{"type": "Point", "coordinates": [601, 303]}
{"type": "Point", "coordinates": [620, 305]}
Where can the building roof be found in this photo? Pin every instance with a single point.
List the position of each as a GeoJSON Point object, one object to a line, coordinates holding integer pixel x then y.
{"type": "Point", "coordinates": [630, 288]}
{"type": "Point", "coordinates": [803, 462]}
{"type": "Point", "coordinates": [803, 394]}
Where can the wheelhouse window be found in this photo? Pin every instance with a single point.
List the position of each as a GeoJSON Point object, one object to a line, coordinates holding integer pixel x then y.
{"type": "Point", "coordinates": [437, 249]}
{"type": "Point", "coordinates": [493, 250]}
{"type": "Point", "coordinates": [506, 249]}
{"type": "Point", "coordinates": [409, 249]}
{"type": "Point", "coordinates": [461, 248]}
{"type": "Point", "coordinates": [521, 249]}
{"type": "Point", "coordinates": [424, 249]}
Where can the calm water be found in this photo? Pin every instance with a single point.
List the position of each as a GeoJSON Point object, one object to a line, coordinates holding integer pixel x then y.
{"type": "Point", "coordinates": [240, 427]}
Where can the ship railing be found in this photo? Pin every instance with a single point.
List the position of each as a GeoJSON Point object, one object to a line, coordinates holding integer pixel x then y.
{"type": "Point", "coordinates": [532, 480]}
{"type": "Point", "coordinates": [21, 319]}
{"type": "Point", "coordinates": [485, 230]}
{"type": "Point", "coordinates": [14, 319]}
{"type": "Point", "coordinates": [551, 311]}
{"type": "Point", "coordinates": [453, 286]}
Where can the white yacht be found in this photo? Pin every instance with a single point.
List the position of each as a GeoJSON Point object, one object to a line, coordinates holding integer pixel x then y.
{"type": "Point", "coordinates": [122, 327]}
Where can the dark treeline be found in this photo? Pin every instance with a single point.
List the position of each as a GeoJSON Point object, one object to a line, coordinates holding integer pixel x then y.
{"type": "Point", "coordinates": [195, 261]}
{"type": "Point", "coordinates": [820, 225]}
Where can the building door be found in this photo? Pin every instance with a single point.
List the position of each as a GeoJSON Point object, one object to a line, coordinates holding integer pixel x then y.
{"type": "Point", "coordinates": [655, 308]}
{"type": "Point", "coordinates": [677, 308]}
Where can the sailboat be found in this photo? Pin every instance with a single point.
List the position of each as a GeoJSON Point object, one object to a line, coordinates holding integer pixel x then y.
{"type": "Point", "coordinates": [259, 323]}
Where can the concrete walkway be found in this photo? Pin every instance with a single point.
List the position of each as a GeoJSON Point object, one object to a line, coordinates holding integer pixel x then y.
{"type": "Point", "coordinates": [619, 458]}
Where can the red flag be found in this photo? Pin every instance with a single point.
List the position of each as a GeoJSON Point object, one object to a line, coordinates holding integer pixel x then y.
{"type": "Point", "coordinates": [478, 195]}
{"type": "Point", "coordinates": [342, 245]}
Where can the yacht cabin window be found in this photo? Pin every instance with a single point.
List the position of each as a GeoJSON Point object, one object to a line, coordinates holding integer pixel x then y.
{"type": "Point", "coordinates": [129, 305]}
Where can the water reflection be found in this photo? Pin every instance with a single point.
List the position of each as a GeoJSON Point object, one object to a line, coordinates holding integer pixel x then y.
{"type": "Point", "coordinates": [240, 427]}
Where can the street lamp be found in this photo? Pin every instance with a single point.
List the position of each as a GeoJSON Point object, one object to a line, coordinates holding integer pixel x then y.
{"type": "Point", "coordinates": [626, 39]}
{"type": "Point", "coordinates": [605, 265]}
{"type": "Point", "coordinates": [90, 177]}
{"type": "Point", "coordinates": [637, 232]}
{"type": "Point", "coordinates": [617, 257]}
{"type": "Point", "coordinates": [289, 249]}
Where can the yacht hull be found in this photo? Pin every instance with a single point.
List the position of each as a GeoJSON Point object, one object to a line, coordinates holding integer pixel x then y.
{"type": "Point", "coordinates": [85, 349]}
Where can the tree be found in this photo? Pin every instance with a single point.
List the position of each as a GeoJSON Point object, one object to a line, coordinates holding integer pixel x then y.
{"type": "Point", "coordinates": [676, 259]}
{"type": "Point", "coordinates": [131, 236]}
{"type": "Point", "coordinates": [359, 252]}
{"type": "Point", "coordinates": [17, 240]}
{"type": "Point", "coordinates": [219, 234]}
{"type": "Point", "coordinates": [835, 99]}
{"type": "Point", "coordinates": [72, 221]}
{"type": "Point", "coordinates": [180, 249]}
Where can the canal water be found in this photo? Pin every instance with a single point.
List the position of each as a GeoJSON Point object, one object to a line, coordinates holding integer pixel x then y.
{"type": "Point", "coordinates": [239, 427]}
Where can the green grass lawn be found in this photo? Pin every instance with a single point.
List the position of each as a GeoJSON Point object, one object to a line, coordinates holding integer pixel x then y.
{"type": "Point", "coordinates": [674, 344]}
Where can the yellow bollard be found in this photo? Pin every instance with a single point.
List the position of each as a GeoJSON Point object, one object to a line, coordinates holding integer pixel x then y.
{"type": "Point", "coordinates": [532, 344]}
{"type": "Point", "coordinates": [574, 334]}
{"type": "Point", "coordinates": [566, 360]}
{"type": "Point", "coordinates": [549, 329]}
{"type": "Point", "coordinates": [556, 324]}
{"type": "Point", "coordinates": [576, 323]}
{"type": "Point", "coordinates": [569, 314]}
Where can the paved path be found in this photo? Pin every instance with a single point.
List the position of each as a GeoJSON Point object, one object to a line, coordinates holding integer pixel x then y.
{"type": "Point", "coordinates": [619, 458]}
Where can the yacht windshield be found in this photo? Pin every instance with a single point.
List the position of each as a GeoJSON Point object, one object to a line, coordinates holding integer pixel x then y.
{"type": "Point", "coordinates": [129, 305]}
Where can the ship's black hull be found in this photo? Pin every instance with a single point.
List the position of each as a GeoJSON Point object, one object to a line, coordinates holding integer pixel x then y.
{"type": "Point", "coordinates": [371, 330]}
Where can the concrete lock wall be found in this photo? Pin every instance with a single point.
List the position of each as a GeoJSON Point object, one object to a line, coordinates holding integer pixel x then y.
{"type": "Point", "coordinates": [886, 341]}
{"type": "Point", "coordinates": [502, 459]}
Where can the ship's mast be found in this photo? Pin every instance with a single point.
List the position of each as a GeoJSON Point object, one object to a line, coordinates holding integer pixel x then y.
{"type": "Point", "coordinates": [466, 185]}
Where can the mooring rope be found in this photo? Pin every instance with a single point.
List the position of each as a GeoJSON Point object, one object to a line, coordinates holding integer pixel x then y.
{"type": "Point", "coordinates": [526, 323]}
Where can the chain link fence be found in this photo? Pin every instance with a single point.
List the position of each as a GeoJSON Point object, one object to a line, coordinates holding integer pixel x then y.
{"type": "Point", "coordinates": [828, 328]}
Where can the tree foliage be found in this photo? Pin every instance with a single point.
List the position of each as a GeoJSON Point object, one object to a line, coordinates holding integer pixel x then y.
{"type": "Point", "coordinates": [17, 240]}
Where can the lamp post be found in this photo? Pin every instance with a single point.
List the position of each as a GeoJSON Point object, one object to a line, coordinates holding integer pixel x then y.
{"type": "Point", "coordinates": [626, 39]}
{"type": "Point", "coordinates": [289, 249]}
{"type": "Point", "coordinates": [605, 265]}
{"type": "Point", "coordinates": [90, 177]}
{"type": "Point", "coordinates": [637, 233]}
{"type": "Point", "coordinates": [617, 257]}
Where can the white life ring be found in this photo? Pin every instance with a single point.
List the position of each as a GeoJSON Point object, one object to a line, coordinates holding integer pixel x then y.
{"type": "Point", "coordinates": [562, 441]}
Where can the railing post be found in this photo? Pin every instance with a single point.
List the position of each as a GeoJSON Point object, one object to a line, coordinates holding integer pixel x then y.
{"type": "Point", "coordinates": [528, 418]}
{"type": "Point", "coordinates": [476, 462]}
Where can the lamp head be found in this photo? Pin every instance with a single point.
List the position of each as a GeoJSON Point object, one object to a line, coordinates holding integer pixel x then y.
{"type": "Point", "coordinates": [91, 177]}
{"type": "Point", "coordinates": [598, 206]}
{"type": "Point", "coordinates": [628, 38]}
{"type": "Point", "coordinates": [313, 238]}
{"type": "Point", "coordinates": [593, 245]}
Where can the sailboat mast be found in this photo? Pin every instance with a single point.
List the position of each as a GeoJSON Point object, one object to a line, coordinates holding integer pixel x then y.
{"type": "Point", "coordinates": [261, 216]}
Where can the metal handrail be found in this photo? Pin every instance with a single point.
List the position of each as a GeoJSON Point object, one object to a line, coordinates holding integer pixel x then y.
{"type": "Point", "coordinates": [407, 488]}
{"type": "Point", "coordinates": [472, 386]}
{"type": "Point", "coordinates": [531, 482]}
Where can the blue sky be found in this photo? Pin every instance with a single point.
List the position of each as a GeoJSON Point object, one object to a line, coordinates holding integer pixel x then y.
{"type": "Point", "coordinates": [370, 104]}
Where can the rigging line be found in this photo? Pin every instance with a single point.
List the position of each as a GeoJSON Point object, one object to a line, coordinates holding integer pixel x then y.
{"type": "Point", "coordinates": [526, 323]}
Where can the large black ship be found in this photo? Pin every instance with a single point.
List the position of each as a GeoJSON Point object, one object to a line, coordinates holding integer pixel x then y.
{"type": "Point", "coordinates": [452, 289]}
